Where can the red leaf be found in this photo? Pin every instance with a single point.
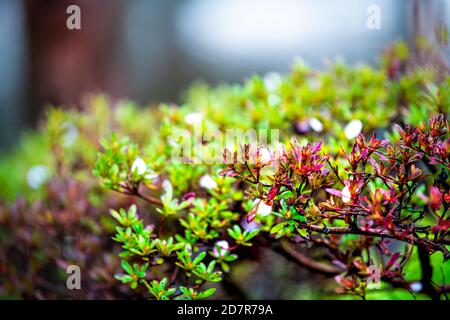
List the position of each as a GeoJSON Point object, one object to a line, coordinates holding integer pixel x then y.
{"type": "Point", "coordinates": [435, 198]}
{"type": "Point", "coordinates": [392, 260]}
{"type": "Point", "coordinates": [273, 192]}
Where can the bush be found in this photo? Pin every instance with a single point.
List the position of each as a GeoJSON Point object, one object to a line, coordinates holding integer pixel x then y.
{"type": "Point", "coordinates": [339, 191]}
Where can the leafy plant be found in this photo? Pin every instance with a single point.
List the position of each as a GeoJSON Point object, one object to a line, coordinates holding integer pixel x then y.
{"type": "Point", "coordinates": [343, 194]}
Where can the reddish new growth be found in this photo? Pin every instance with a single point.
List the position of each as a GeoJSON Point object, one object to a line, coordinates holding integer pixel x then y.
{"type": "Point", "coordinates": [390, 201]}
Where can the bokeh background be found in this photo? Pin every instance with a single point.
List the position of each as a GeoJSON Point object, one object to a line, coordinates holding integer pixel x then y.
{"type": "Point", "coordinates": [150, 51]}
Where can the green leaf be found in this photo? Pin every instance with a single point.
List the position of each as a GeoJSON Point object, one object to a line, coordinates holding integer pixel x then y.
{"type": "Point", "coordinates": [207, 293]}
{"type": "Point", "coordinates": [125, 278]}
{"type": "Point", "coordinates": [303, 232]}
{"type": "Point", "coordinates": [278, 227]}
{"type": "Point", "coordinates": [211, 266]}
{"type": "Point", "coordinates": [185, 291]}
{"type": "Point", "coordinates": [250, 235]}
{"type": "Point", "coordinates": [200, 257]}
{"type": "Point", "coordinates": [126, 266]}
{"type": "Point", "coordinates": [163, 283]}
{"type": "Point", "coordinates": [116, 215]}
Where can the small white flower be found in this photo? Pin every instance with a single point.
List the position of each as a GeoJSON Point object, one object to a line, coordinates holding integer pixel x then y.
{"type": "Point", "coordinates": [315, 124]}
{"type": "Point", "coordinates": [263, 209]}
{"type": "Point", "coordinates": [274, 100]}
{"type": "Point", "coordinates": [207, 182]}
{"type": "Point", "coordinates": [265, 155]}
{"type": "Point", "coordinates": [279, 151]}
{"type": "Point", "coordinates": [71, 134]}
{"type": "Point", "coordinates": [139, 165]}
{"type": "Point", "coordinates": [220, 248]}
{"type": "Point", "coordinates": [193, 118]}
{"type": "Point", "coordinates": [346, 195]}
{"type": "Point", "coordinates": [353, 129]}
{"type": "Point", "coordinates": [416, 286]}
{"type": "Point", "coordinates": [37, 176]}
{"type": "Point", "coordinates": [272, 81]}
{"type": "Point", "coordinates": [249, 226]}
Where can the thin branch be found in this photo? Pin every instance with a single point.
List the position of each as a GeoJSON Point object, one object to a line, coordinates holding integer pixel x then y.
{"type": "Point", "coordinates": [383, 234]}
{"type": "Point", "coordinates": [135, 192]}
{"type": "Point", "coordinates": [304, 261]}
{"type": "Point", "coordinates": [149, 199]}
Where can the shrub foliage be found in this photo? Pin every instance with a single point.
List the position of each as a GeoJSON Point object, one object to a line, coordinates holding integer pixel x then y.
{"type": "Point", "coordinates": [356, 191]}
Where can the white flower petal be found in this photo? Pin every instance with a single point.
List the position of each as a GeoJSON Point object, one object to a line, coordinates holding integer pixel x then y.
{"type": "Point", "coordinates": [193, 118]}
{"type": "Point", "coordinates": [139, 165]}
{"type": "Point", "coordinates": [273, 100]}
{"type": "Point", "coordinates": [265, 155]}
{"type": "Point", "coordinates": [249, 226]}
{"type": "Point", "coordinates": [71, 134]}
{"type": "Point", "coordinates": [37, 176]}
{"type": "Point", "coordinates": [353, 129]}
{"type": "Point", "coordinates": [220, 248]}
{"type": "Point", "coordinates": [207, 182]}
{"type": "Point", "coordinates": [315, 124]}
{"type": "Point", "coordinates": [346, 195]}
{"type": "Point", "coordinates": [272, 81]}
{"type": "Point", "coordinates": [263, 209]}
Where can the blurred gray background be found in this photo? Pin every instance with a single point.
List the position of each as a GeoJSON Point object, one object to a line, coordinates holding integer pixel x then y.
{"type": "Point", "coordinates": [151, 50]}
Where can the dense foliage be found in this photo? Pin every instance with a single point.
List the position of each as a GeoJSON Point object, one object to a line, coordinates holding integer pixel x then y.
{"type": "Point", "coordinates": [344, 193]}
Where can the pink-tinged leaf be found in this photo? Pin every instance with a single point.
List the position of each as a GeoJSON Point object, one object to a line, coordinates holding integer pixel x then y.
{"type": "Point", "coordinates": [393, 261]}
{"type": "Point", "coordinates": [343, 152]}
{"type": "Point", "coordinates": [384, 143]}
{"type": "Point", "coordinates": [415, 172]}
{"type": "Point", "coordinates": [273, 192]}
{"type": "Point", "coordinates": [334, 192]}
{"type": "Point", "coordinates": [317, 167]}
{"type": "Point", "coordinates": [360, 140]}
{"type": "Point", "coordinates": [252, 214]}
{"type": "Point", "coordinates": [375, 165]}
{"type": "Point", "coordinates": [399, 129]}
{"type": "Point", "coordinates": [363, 154]}
{"type": "Point", "coordinates": [228, 173]}
{"type": "Point", "coordinates": [416, 157]}
{"type": "Point", "coordinates": [339, 264]}
{"type": "Point", "coordinates": [345, 282]}
{"type": "Point", "coordinates": [435, 198]}
{"type": "Point", "coordinates": [433, 161]}
{"type": "Point", "coordinates": [251, 217]}
{"type": "Point", "coordinates": [189, 196]}
{"type": "Point", "coordinates": [317, 147]}
{"type": "Point", "coordinates": [382, 245]}
{"type": "Point", "coordinates": [382, 157]}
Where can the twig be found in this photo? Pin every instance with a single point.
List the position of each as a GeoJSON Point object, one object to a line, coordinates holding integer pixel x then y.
{"type": "Point", "coordinates": [308, 263]}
